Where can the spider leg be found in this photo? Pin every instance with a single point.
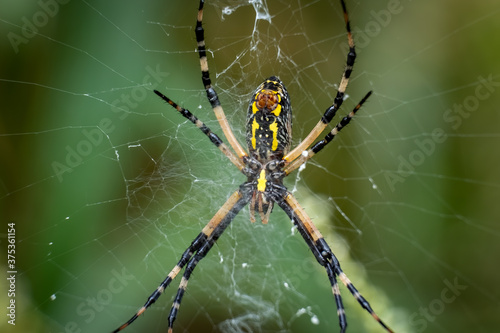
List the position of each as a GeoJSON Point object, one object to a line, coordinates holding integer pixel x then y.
{"type": "Point", "coordinates": [213, 230]}
{"type": "Point", "coordinates": [207, 83]}
{"type": "Point", "coordinates": [193, 254]}
{"type": "Point", "coordinates": [306, 155]}
{"type": "Point", "coordinates": [339, 99]}
{"type": "Point", "coordinates": [326, 258]}
{"type": "Point", "coordinates": [214, 138]}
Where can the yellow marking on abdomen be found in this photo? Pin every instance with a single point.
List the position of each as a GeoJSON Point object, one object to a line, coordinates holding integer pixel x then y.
{"type": "Point", "coordinates": [277, 111]}
{"type": "Point", "coordinates": [274, 128]}
{"type": "Point", "coordinates": [254, 106]}
{"type": "Point", "coordinates": [255, 127]}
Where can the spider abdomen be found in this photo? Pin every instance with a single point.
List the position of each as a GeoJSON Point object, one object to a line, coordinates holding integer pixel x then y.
{"type": "Point", "coordinates": [269, 121]}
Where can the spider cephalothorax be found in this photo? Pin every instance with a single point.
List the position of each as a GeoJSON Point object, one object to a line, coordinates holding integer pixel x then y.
{"type": "Point", "coordinates": [268, 161]}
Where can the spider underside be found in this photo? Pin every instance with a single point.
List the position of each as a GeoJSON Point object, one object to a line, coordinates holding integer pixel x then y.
{"type": "Point", "coordinates": [268, 161]}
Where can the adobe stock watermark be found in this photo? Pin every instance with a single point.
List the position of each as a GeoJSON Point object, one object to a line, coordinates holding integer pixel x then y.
{"type": "Point", "coordinates": [454, 116]}
{"type": "Point", "coordinates": [93, 137]}
{"type": "Point", "coordinates": [31, 25]}
{"type": "Point", "coordinates": [425, 315]}
{"type": "Point", "coordinates": [373, 28]}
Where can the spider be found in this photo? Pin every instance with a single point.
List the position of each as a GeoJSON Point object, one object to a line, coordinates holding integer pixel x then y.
{"type": "Point", "coordinates": [268, 161]}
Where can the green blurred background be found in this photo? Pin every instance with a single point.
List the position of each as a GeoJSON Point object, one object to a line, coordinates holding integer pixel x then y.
{"type": "Point", "coordinates": [107, 185]}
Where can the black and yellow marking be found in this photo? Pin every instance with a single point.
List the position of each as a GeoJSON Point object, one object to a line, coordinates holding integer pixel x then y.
{"type": "Point", "coordinates": [269, 121]}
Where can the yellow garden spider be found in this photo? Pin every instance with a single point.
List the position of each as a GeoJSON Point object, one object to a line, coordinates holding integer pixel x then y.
{"type": "Point", "coordinates": [268, 137]}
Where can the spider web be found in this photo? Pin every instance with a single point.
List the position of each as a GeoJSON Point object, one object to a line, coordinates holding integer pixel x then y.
{"type": "Point", "coordinates": [107, 185]}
